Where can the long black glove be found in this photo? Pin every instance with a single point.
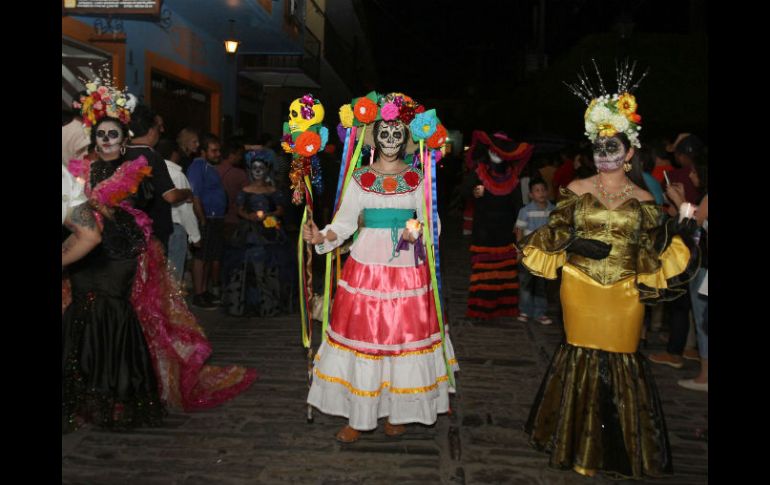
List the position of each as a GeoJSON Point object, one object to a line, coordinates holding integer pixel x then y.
{"type": "Point", "coordinates": [685, 229]}
{"type": "Point", "coordinates": [590, 248]}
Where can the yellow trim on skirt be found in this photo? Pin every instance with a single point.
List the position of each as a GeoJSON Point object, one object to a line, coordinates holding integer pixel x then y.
{"type": "Point", "coordinates": [604, 317]}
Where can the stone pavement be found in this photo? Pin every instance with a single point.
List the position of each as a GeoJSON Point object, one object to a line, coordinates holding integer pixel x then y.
{"type": "Point", "coordinates": [263, 437]}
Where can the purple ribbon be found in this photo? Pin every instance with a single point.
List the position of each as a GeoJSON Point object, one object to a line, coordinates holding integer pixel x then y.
{"type": "Point", "coordinates": [419, 249]}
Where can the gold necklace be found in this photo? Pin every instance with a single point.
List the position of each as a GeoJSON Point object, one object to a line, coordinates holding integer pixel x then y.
{"type": "Point", "coordinates": [621, 195]}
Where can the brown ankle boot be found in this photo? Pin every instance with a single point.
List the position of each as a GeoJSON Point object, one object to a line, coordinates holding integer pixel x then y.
{"type": "Point", "coordinates": [348, 435]}
{"type": "Point", "coordinates": [394, 429]}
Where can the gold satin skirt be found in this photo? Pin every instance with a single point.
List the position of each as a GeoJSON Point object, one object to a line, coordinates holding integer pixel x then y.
{"type": "Point", "coordinates": [598, 407]}
{"type": "Point", "coordinates": [603, 317]}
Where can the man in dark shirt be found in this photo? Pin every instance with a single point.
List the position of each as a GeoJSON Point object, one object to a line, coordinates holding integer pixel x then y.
{"type": "Point", "coordinates": [146, 127]}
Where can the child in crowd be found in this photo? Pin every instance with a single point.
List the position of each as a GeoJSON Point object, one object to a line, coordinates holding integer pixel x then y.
{"type": "Point", "coordinates": [532, 301]}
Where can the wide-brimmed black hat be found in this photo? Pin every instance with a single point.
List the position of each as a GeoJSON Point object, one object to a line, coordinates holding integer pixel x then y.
{"type": "Point", "coordinates": [501, 144]}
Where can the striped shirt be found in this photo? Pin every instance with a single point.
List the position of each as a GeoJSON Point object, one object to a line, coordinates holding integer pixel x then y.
{"type": "Point", "coordinates": [531, 217]}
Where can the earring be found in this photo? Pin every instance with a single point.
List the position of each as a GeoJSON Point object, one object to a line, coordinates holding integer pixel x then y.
{"type": "Point", "coordinates": [98, 149]}
{"type": "Point", "coordinates": [626, 167]}
{"type": "Point", "coordinates": [371, 156]}
{"type": "Point", "coordinates": [123, 151]}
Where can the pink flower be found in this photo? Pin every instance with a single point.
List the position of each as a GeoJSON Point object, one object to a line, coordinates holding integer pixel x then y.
{"type": "Point", "coordinates": [308, 100]}
{"type": "Point", "coordinates": [98, 106]}
{"type": "Point", "coordinates": [389, 112]}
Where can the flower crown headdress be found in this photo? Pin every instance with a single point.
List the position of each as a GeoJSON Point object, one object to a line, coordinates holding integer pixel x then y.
{"type": "Point", "coordinates": [609, 114]}
{"type": "Point", "coordinates": [102, 99]}
{"type": "Point", "coordinates": [396, 107]}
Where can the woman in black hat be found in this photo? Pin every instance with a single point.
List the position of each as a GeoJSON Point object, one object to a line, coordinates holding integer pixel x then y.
{"type": "Point", "coordinates": [496, 163]}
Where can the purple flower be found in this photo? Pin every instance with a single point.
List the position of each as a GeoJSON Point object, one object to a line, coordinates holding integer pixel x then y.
{"type": "Point", "coordinates": [307, 112]}
{"type": "Point", "coordinates": [341, 132]}
{"type": "Point", "coordinates": [308, 100]}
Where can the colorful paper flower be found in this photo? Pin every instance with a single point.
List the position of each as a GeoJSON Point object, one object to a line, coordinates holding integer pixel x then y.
{"type": "Point", "coordinates": [423, 125]}
{"type": "Point", "coordinates": [307, 144]}
{"type": "Point", "coordinates": [324, 133]}
{"type": "Point", "coordinates": [346, 115]}
{"type": "Point", "coordinates": [438, 139]}
{"type": "Point", "coordinates": [365, 110]}
{"type": "Point", "coordinates": [368, 179]}
{"type": "Point", "coordinates": [411, 178]}
{"type": "Point", "coordinates": [389, 111]}
{"type": "Point", "coordinates": [407, 114]}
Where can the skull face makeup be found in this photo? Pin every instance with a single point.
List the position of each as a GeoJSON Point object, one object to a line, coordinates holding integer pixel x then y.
{"type": "Point", "coordinates": [389, 137]}
{"type": "Point", "coordinates": [609, 154]}
{"type": "Point", "coordinates": [258, 171]}
{"type": "Point", "coordinates": [109, 137]}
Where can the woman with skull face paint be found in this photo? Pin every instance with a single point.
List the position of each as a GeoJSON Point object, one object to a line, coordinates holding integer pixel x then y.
{"type": "Point", "coordinates": [598, 407]}
{"type": "Point", "coordinates": [130, 346]}
{"type": "Point", "coordinates": [494, 185]}
{"type": "Point", "coordinates": [382, 353]}
{"type": "Point", "coordinates": [261, 263]}
{"type": "Point", "coordinates": [107, 372]}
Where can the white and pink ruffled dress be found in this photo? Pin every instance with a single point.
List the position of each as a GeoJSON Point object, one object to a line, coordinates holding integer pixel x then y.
{"type": "Point", "coordinates": [383, 354]}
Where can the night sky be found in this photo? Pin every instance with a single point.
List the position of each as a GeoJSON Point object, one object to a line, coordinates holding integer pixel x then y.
{"type": "Point", "coordinates": [460, 55]}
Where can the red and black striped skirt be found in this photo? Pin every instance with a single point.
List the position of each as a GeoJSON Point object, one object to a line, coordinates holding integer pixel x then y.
{"type": "Point", "coordinates": [494, 287]}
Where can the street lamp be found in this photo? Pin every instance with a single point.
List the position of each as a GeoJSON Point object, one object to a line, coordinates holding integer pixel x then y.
{"type": "Point", "coordinates": [231, 44]}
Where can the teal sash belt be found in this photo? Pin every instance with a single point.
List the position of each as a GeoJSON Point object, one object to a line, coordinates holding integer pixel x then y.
{"type": "Point", "coordinates": [393, 219]}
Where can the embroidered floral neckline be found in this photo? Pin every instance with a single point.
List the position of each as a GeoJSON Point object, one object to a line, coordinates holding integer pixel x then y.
{"type": "Point", "coordinates": [388, 184]}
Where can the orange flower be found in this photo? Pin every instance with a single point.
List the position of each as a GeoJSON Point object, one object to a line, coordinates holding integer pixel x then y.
{"type": "Point", "coordinates": [365, 110]}
{"type": "Point", "coordinates": [307, 144]}
{"type": "Point", "coordinates": [389, 184]}
{"type": "Point", "coordinates": [437, 139]}
{"type": "Point", "coordinates": [635, 118]}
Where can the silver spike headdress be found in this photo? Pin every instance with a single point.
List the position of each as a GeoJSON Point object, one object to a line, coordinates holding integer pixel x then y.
{"type": "Point", "coordinates": [609, 114]}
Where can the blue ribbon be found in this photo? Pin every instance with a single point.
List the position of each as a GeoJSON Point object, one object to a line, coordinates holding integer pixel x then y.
{"type": "Point", "coordinates": [342, 166]}
{"type": "Point", "coordinates": [434, 204]}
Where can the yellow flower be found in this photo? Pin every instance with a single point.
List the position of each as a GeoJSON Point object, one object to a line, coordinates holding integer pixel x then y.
{"type": "Point", "coordinates": [627, 104]}
{"type": "Point", "coordinates": [286, 147]}
{"type": "Point", "coordinates": [270, 222]}
{"type": "Point", "coordinates": [590, 107]}
{"type": "Point", "coordinates": [605, 129]}
{"type": "Point", "coordinates": [346, 115]}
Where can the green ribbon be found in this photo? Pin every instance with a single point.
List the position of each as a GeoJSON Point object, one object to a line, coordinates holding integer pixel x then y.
{"type": "Point", "coordinates": [328, 273]}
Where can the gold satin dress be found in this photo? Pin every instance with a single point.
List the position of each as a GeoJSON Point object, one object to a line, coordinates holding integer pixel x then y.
{"type": "Point", "coordinates": [598, 406]}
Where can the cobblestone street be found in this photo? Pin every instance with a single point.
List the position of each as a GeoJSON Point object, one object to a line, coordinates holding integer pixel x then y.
{"type": "Point", "coordinates": [263, 436]}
